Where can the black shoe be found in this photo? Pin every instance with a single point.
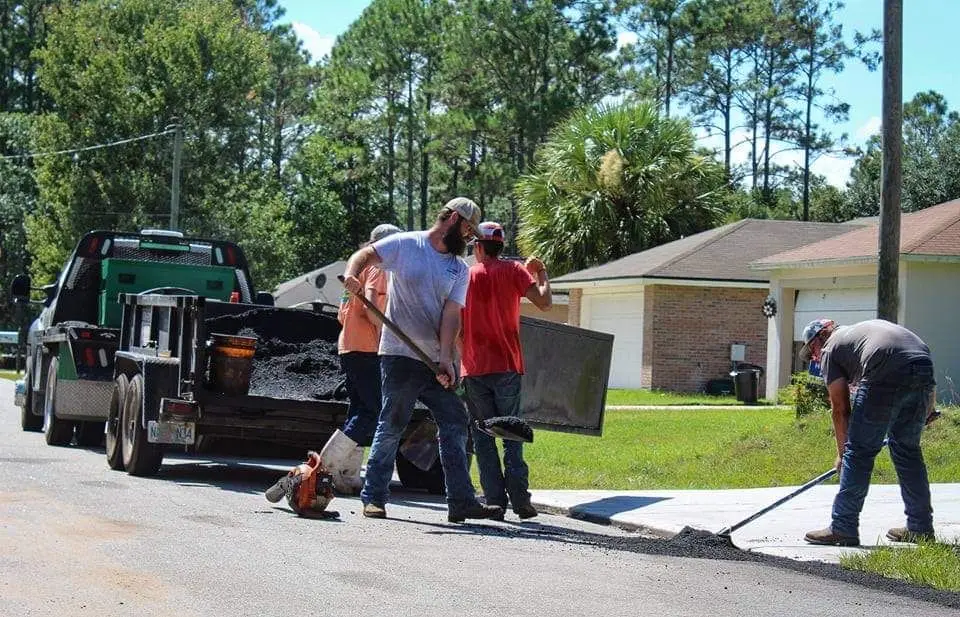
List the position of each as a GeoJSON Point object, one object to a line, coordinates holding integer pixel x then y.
{"type": "Point", "coordinates": [525, 511]}
{"type": "Point", "coordinates": [476, 510]}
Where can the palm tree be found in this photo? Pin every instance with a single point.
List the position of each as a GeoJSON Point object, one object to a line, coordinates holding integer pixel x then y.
{"type": "Point", "coordinates": [613, 181]}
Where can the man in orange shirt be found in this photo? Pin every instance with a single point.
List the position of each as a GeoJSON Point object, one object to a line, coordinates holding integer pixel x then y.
{"type": "Point", "coordinates": [492, 363]}
{"type": "Point", "coordinates": [358, 344]}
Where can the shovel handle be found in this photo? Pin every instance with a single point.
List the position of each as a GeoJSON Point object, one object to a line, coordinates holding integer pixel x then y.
{"type": "Point", "coordinates": [396, 330]}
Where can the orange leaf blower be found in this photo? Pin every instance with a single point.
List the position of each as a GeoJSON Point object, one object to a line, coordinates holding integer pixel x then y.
{"type": "Point", "coordinates": [308, 488]}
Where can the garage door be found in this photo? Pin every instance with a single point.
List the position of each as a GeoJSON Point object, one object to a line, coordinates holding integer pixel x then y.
{"type": "Point", "coordinates": [845, 306]}
{"type": "Point", "coordinates": [622, 316]}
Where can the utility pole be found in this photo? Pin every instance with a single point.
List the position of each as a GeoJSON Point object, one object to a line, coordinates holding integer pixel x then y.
{"type": "Point", "coordinates": [175, 179]}
{"type": "Point", "coordinates": [888, 263]}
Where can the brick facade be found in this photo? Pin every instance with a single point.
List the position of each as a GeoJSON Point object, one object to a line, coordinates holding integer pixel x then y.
{"type": "Point", "coordinates": [573, 308]}
{"type": "Point", "coordinates": [688, 332]}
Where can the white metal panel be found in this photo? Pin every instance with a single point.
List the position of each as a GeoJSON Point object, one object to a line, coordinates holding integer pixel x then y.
{"type": "Point", "coordinates": [844, 306]}
{"type": "Point", "coordinates": [622, 316]}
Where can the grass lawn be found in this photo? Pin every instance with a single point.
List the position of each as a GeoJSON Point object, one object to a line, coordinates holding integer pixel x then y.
{"type": "Point", "coordinates": [12, 375]}
{"type": "Point", "coordinates": [931, 564]}
{"type": "Point", "coordinates": [713, 449]}
{"type": "Point", "coordinates": [660, 397]}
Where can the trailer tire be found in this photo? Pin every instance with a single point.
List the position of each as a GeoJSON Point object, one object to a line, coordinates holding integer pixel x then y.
{"type": "Point", "coordinates": [30, 421]}
{"type": "Point", "coordinates": [412, 477]}
{"type": "Point", "coordinates": [90, 434]}
{"type": "Point", "coordinates": [57, 432]}
{"type": "Point", "coordinates": [140, 457]}
{"type": "Point", "coordinates": [113, 438]}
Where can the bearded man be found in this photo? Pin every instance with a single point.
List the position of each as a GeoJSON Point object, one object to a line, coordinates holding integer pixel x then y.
{"type": "Point", "coordinates": [427, 290]}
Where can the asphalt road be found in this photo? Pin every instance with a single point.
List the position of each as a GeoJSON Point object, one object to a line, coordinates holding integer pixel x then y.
{"type": "Point", "coordinates": [200, 539]}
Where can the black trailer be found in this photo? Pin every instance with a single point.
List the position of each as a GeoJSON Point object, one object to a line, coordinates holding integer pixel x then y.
{"type": "Point", "coordinates": [164, 394]}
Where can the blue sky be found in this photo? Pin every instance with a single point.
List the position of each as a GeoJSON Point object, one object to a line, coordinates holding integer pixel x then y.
{"type": "Point", "coordinates": [929, 27]}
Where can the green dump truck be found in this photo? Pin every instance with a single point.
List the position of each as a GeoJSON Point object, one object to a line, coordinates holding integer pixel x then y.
{"type": "Point", "coordinates": [69, 379]}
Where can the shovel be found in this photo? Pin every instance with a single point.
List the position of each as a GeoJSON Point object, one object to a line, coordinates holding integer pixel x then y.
{"type": "Point", "coordinates": [505, 427]}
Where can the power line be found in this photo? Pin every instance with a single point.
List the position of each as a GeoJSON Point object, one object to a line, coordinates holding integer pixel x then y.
{"type": "Point", "coordinates": [33, 155]}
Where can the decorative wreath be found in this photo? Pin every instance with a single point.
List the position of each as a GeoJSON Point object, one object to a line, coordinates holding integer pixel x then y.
{"type": "Point", "coordinates": [769, 307]}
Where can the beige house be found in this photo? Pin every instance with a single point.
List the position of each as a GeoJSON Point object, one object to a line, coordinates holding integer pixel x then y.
{"type": "Point", "coordinates": [679, 312]}
{"type": "Point", "coordinates": [836, 278]}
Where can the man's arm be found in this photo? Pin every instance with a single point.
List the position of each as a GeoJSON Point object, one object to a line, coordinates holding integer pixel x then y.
{"type": "Point", "coordinates": [539, 293]}
{"type": "Point", "coordinates": [839, 391]}
{"type": "Point", "coordinates": [357, 262]}
{"type": "Point", "coordinates": [449, 327]}
{"type": "Point", "coordinates": [375, 282]}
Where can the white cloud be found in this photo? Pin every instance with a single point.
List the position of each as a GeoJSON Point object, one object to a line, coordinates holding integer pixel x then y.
{"type": "Point", "coordinates": [318, 45]}
{"type": "Point", "coordinates": [836, 169]}
{"type": "Point", "coordinates": [870, 128]}
{"type": "Point", "coordinates": [626, 38]}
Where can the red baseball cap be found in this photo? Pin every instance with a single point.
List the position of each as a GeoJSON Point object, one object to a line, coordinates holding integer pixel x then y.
{"type": "Point", "coordinates": [488, 231]}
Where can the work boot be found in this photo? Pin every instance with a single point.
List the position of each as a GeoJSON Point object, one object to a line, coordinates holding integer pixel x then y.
{"type": "Point", "coordinates": [525, 510]}
{"type": "Point", "coordinates": [458, 514]}
{"type": "Point", "coordinates": [372, 510]}
{"type": "Point", "coordinates": [826, 537]}
{"type": "Point", "coordinates": [902, 534]}
{"type": "Point", "coordinates": [342, 457]}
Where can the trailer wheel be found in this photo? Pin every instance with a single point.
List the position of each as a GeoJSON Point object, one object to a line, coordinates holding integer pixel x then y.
{"type": "Point", "coordinates": [30, 421]}
{"type": "Point", "coordinates": [56, 431]}
{"type": "Point", "coordinates": [89, 434]}
{"type": "Point", "coordinates": [412, 477]}
{"type": "Point", "coordinates": [140, 457]}
{"type": "Point", "coordinates": [114, 438]}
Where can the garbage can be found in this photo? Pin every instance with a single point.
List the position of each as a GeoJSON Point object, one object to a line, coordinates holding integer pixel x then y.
{"type": "Point", "coordinates": [746, 384]}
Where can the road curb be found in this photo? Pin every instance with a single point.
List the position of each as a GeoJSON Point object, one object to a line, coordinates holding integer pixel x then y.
{"type": "Point", "coordinates": [579, 514]}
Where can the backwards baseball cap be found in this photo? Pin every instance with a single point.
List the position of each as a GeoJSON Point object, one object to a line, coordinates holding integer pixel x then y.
{"type": "Point", "coordinates": [488, 231]}
{"type": "Point", "coordinates": [382, 231]}
{"type": "Point", "coordinates": [810, 332]}
{"type": "Point", "coordinates": [467, 209]}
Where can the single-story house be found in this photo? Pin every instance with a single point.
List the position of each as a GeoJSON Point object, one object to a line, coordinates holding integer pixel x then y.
{"type": "Point", "coordinates": [320, 285]}
{"type": "Point", "coordinates": [681, 311]}
{"type": "Point", "coordinates": [837, 278]}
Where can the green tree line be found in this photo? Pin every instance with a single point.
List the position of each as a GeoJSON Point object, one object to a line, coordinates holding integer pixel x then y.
{"type": "Point", "coordinates": [573, 122]}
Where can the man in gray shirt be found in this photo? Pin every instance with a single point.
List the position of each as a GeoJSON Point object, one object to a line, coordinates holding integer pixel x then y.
{"type": "Point", "coordinates": [893, 374]}
{"type": "Point", "coordinates": [427, 290]}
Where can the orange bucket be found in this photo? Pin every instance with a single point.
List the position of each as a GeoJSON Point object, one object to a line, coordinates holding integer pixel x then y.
{"type": "Point", "coordinates": [231, 362]}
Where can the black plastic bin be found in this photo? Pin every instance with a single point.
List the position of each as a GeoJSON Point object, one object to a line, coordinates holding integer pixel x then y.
{"type": "Point", "coordinates": [746, 384]}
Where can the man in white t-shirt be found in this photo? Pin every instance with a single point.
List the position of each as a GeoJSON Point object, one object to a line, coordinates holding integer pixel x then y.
{"type": "Point", "coordinates": [427, 290]}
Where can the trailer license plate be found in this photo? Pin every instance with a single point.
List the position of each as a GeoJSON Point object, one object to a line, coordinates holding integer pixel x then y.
{"type": "Point", "coordinates": [171, 432]}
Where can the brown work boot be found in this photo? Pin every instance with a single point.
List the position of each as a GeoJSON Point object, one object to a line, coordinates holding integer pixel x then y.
{"type": "Point", "coordinates": [457, 514]}
{"type": "Point", "coordinates": [828, 538]}
{"type": "Point", "coordinates": [372, 510]}
{"type": "Point", "coordinates": [525, 510]}
{"type": "Point", "coordinates": [902, 534]}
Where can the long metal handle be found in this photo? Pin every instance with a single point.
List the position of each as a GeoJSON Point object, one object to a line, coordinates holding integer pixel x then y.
{"type": "Point", "coordinates": [824, 476]}
{"type": "Point", "coordinates": [396, 330]}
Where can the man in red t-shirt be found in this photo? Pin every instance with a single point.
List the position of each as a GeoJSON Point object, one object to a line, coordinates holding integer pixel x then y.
{"type": "Point", "coordinates": [492, 362]}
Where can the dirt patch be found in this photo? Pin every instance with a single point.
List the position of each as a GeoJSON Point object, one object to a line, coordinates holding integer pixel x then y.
{"type": "Point", "coordinates": [296, 356]}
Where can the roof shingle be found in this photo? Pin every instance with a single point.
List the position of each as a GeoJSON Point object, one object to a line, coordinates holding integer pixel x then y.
{"type": "Point", "coordinates": [721, 254]}
{"type": "Point", "coordinates": [932, 231]}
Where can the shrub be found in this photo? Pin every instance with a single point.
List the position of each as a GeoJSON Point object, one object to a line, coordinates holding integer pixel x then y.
{"type": "Point", "coordinates": [809, 394]}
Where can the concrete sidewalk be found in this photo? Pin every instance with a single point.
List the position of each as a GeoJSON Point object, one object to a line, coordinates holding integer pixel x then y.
{"type": "Point", "coordinates": [778, 532]}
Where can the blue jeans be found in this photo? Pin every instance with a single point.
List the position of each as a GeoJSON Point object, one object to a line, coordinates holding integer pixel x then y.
{"type": "Point", "coordinates": [362, 370]}
{"type": "Point", "coordinates": [404, 380]}
{"type": "Point", "coordinates": [489, 396]}
{"type": "Point", "coordinates": [895, 408]}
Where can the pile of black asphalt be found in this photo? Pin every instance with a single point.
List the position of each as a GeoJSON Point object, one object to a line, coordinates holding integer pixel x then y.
{"type": "Point", "coordinates": [295, 357]}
